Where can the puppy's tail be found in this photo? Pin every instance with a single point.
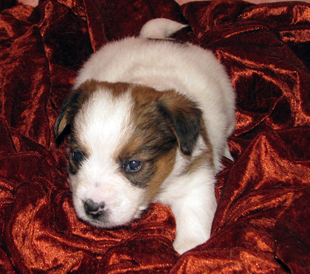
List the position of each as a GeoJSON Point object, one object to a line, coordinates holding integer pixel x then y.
{"type": "Point", "coordinates": [160, 28]}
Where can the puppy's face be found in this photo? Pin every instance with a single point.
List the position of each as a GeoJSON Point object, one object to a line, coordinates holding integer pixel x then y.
{"type": "Point", "coordinates": [123, 144]}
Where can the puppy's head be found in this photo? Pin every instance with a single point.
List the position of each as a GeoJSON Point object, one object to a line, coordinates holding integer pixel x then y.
{"type": "Point", "coordinates": [123, 144]}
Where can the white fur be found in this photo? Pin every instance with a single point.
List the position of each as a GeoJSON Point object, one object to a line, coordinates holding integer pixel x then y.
{"type": "Point", "coordinates": [188, 69]}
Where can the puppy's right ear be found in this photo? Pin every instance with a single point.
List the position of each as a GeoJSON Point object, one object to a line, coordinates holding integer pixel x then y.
{"type": "Point", "coordinates": [68, 111]}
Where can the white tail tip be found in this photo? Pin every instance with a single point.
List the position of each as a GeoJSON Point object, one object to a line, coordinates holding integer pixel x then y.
{"type": "Point", "coordinates": [160, 28]}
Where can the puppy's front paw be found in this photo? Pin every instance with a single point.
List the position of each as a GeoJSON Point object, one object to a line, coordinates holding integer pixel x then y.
{"type": "Point", "coordinates": [185, 244]}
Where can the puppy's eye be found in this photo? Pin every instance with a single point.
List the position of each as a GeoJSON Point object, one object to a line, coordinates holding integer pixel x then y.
{"type": "Point", "coordinates": [77, 156]}
{"type": "Point", "coordinates": [133, 166]}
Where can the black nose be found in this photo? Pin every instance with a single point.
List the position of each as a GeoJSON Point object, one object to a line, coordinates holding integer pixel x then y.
{"type": "Point", "coordinates": [94, 209]}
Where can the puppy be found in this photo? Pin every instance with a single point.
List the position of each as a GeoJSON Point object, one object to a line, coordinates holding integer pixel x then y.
{"type": "Point", "coordinates": [149, 120]}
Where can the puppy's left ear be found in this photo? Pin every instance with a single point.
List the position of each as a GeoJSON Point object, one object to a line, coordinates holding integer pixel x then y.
{"type": "Point", "coordinates": [185, 118]}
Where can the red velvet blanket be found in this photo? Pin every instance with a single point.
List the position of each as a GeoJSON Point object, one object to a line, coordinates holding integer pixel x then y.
{"type": "Point", "coordinates": [263, 219]}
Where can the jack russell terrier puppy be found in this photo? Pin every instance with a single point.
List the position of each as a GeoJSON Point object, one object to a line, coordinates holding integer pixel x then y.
{"type": "Point", "coordinates": [149, 119]}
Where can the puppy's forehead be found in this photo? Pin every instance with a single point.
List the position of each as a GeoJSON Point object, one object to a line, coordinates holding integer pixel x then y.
{"type": "Point", "coordinates": [104, 101]}
{"type": "Point", "coordinates": [104, 117]}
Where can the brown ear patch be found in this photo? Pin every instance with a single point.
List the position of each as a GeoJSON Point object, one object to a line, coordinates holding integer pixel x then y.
{"type": "Point", "coordinates": [185, 117]}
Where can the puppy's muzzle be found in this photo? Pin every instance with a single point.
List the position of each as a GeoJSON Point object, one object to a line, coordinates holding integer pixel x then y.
{"type": "Point", "coordinates": [93, 209]}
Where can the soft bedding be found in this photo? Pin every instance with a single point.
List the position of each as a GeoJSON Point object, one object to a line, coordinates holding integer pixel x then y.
{"type": "Point", "coordinates": [263, 217]}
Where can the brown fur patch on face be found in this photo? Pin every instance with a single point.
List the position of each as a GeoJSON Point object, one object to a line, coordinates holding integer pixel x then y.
{"type": "Point", "coordinates": [153, 142]}
{"type": "Point", "coordinates": [163, 121]}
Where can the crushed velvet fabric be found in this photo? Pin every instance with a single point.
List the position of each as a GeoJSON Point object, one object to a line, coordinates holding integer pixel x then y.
{"type": "Point", "coordinates": [263, 217]}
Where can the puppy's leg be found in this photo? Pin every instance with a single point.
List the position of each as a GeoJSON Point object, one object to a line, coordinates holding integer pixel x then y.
{"type": "Point", "coordinates": [194, 213]}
